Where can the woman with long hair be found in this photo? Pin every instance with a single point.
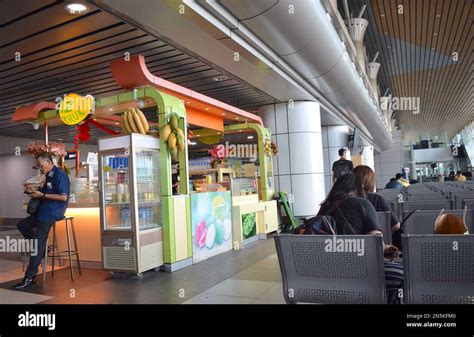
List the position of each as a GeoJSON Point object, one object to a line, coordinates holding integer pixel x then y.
{"type": "Point", "coordinates": [367, 178]}
{"type": "Point", "coordinates": [355, 215]}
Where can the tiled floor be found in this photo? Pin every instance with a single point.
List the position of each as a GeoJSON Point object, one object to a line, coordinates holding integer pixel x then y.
{"type": "Point", "coordinates": [251, 275]}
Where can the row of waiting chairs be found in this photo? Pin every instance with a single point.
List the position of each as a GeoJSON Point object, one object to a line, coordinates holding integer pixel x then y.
{"type": "Point", "coordinates": [437, 269]}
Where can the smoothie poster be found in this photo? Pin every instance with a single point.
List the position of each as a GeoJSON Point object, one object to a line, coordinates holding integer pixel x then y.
{"type": "Point", "coordinates": [211, 224]}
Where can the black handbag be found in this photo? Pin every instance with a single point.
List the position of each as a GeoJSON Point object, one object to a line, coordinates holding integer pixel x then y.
{"type": "Point", "coordinates": [33, 206]}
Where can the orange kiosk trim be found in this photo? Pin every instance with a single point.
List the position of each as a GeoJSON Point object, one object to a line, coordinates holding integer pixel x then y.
{"type": "Point", "coordinates": [134, 73]}
{"type": "Point", "coordinates": [31, 111]}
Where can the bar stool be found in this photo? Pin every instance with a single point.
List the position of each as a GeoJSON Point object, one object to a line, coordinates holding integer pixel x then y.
{"type": "Point", "coordinates": [26, 256]}
{"type": "Point", "coordinates": [55, 252]}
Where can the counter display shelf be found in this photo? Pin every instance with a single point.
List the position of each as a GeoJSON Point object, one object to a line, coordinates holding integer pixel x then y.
{"type": "Point", "coordinates": [252, 220]}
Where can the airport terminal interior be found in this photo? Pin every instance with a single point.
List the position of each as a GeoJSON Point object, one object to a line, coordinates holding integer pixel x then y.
{"type": "Point", "coordinates": [236, 152]}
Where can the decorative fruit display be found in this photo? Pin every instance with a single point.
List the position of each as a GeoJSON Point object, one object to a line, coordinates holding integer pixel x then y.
{"type": "Point", "coordinates": [268, 147]}
{"type": "Point", "coordinates": [55, 149]}
{"type": "Point", "coordinates": [220, 232]}
{"type": "Point", "coordinates": [210, 236]}
{"type": "Point", "coordinates": [271, 148]}
{"type": "Point", "coordinates": [274, 147]}
{"type": "Point", "coordinates": [249, 225]}
{"type": "Point", "coordinates": [200, 237]}
{"type": "Point", "coordinates": [134, 121]}
{"type": "Point", "coordinates": [174, 136]}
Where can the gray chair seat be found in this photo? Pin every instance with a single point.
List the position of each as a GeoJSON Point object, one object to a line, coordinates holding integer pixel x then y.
{"type": "Point", "coordinates": [312, 274]}
{"type": "Point", "coordinates": [439, 269]}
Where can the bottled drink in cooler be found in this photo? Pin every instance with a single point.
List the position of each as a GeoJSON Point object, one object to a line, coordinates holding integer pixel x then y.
{"type": "Point", "coordinates": [140, 216]}
{"type": "Point", "coordinates": [152, 220]}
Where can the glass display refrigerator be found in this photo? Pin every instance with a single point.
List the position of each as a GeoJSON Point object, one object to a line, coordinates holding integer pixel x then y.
{"type": "Point", "coordinates": [130, 205]}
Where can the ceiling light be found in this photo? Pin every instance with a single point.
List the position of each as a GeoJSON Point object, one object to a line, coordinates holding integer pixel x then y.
{"type": "Point", "coordinates": [218, 133]}
{"type": "Point", "coordinates": [220, 78]}
{"type": "Point", "coordinates": [207, 108]}
{"type": "Point", "coordinates": [240, 130]}
{"type": "Point", "coordinates": [249, 137]}
{"type": "Point", "coordinates": [192, 143]}
{"type": "Point", "coordinates": [198, 135]}
{"type": "Point", "coordinates": [188, 102]}
{"type": "Point", "coordinates": [223, 114]}
{"type": "Point", "coordinates": [110, 109]}
{"type": "Point", "coordinates": [117, 123]}
{"type": "Point", "coordinates": [76, 8]}
{"type": "Point", "coordinates": [237, 118]}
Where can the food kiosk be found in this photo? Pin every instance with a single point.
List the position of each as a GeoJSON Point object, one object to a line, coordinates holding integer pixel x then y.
{"type": "Point", "coordinates": [141, 223]}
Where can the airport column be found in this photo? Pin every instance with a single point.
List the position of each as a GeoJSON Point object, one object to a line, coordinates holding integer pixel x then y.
{"type": "Point", "coordinates": [298, 168]}
{"type": "Point", "coordinates": [334, 138]}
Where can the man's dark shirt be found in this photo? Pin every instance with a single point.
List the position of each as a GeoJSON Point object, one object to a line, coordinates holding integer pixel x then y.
{"type": "Point", "coordinates": [341, 167]}
{"type": "Point", "coordinates": [57, 182]}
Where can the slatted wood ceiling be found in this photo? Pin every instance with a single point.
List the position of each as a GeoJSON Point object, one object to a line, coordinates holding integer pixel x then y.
{"type": "Point", "coordinates": [416, 50]}
{"type": "Point", "coordinates": [64, 53]}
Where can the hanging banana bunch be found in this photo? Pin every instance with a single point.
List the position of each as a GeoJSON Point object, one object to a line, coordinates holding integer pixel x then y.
{"type": "Point", "coordinates": [134, 121]}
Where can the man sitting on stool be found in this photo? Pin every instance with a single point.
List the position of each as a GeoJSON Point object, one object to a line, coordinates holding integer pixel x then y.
{"type": "Point", "coordinates": [54, 202]}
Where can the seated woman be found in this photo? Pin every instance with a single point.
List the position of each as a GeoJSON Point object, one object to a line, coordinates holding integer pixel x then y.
{"type": "Point", "coordinates": [367, 178]}
{"type": "Point", "coordinates": [355, 215]}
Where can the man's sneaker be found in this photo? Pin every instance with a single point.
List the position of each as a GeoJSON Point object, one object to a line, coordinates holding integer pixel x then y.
{"type": "Point", "coordinates": [25, 283]}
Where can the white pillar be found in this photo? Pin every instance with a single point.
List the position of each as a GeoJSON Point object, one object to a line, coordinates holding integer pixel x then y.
{"type": "Point", "coordinates": [299, 168]}
{"type": "Point", "coordinates": [334, 138]}
{"type": "Point", "coordinates": [368, 157]}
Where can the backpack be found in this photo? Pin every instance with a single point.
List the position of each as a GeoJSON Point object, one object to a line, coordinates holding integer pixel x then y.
{"type": "Point", "coordinates": [324, 224]}
{"type": "Point", "coordinates": [318, 225]}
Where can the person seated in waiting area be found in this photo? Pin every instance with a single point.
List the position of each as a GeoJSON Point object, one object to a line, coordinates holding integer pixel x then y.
{"type": "Point", "coordinates": [367, 177]}
{"type": "Point", "coordinates": [459, 176]}
{"type": "Point", "coordinates": [394, 184]}
{"type": "Point", "coordinates": [401, 180]}
{"type": "Point", "coordinates": [355, 215]}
